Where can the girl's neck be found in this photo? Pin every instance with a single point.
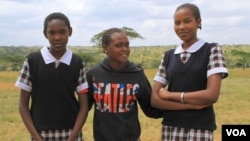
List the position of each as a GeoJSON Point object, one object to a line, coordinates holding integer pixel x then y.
{"type": "Point", "coordinates": [57, 54]}
{"type": "Point", "coordinates": [116, 66]}
{"type": "Point", "coordinates": [187, 44]}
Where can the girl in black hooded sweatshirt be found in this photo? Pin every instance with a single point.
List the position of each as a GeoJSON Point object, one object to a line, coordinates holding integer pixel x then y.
{"type": "Point", "coordinates": [116, 85]}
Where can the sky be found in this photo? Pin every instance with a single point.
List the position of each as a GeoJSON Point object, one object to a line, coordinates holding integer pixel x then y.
{"type": "Point", "coordinates": [223, 21]}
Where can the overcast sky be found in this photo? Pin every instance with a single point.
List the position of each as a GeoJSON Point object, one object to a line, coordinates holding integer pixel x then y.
{"type": "Point", "coordinates": [223, 21]}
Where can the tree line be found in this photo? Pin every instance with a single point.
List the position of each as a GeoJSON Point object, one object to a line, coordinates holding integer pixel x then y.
{"type": "Point", "coordinates": [11, 58]}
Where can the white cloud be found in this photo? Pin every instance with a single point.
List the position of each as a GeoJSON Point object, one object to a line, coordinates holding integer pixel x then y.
{"type": "Point", "coordinates": [224, 21]}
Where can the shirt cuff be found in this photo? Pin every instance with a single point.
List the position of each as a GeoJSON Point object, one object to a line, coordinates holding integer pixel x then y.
{"type": "Point", "coordinates": [161, 80]}
{"type": "Point", "coordinates": [83, 88]}
{"type": "Point", "coordinates": [23, 86]}
{"type": "Point", "coordinates": [222, 70]}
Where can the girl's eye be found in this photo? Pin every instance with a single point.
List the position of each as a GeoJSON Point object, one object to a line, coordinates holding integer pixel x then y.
{"type": "Point", "coordinates": [119, 45]}
{"type": "Point", "coordinates": [51, 32]}
{"type": "Point", "coordinates": [187, 21]}
{"type": "Point", "coordinates": [63, 32]}
{"type": "Point", "coordinates": [176, 22]}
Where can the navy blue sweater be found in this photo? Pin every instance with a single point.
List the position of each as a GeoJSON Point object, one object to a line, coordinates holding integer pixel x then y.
{"type": "Point", "coordinates": [54, 105]}
{"type": "Point", "coordinates": [188, 77]}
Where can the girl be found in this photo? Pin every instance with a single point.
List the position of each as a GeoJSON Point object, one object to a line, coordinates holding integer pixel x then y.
{"type": "Point", "coordinates": [116, 85]}
{"type": "Point", "coordinates": [50, 78]}
{"type": "Point", "coordinates": [193, 73]}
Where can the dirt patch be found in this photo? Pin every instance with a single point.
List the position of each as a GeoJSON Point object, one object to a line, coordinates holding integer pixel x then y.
{"type": "Point", "coordinates": [7, 86]}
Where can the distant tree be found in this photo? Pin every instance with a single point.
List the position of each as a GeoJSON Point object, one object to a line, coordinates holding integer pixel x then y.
{"type": "Point", "coordinates": [243, 58]}
{"type": "Point", "coordinates": [131, 33]}
{"type": "Point", "coordinates": [14, 62]}
{"type": "Point", "coordinates": [90, 58]}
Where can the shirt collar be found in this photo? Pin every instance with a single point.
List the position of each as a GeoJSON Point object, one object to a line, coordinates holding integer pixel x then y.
{"type": "Point", "coordinates": [193, 48]}
{"type": "Point", "coordinates": [49, 58]}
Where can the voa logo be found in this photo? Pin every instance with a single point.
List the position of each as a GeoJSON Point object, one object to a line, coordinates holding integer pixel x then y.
{"type": "Point", "coordinates": [236, 132]}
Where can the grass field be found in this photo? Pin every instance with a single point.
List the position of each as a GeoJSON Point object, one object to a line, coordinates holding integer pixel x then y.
{"type": "Point", "coordinates": [232, 108]}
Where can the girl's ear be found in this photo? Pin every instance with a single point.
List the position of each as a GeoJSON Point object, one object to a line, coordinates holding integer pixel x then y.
{"type": "Point", "coordinates": [70, 31]}
{"type": "Point", "coordinates": [104, 47]}
{"type": "Point", "coordinates": [199, 23]}
{"type": "Point", "coordinates": [45, 34]}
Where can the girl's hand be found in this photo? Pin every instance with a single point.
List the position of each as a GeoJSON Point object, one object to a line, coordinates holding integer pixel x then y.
{"type": "Point", "coordinates": [163, 93]}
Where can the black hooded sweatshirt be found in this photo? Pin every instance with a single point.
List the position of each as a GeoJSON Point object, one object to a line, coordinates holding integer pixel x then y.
{"type": "Point", "coordinates": [115, 96]}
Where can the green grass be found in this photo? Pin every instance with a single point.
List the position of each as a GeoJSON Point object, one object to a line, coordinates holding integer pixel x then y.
{"type": "Point", "coordinates": [232, 108]}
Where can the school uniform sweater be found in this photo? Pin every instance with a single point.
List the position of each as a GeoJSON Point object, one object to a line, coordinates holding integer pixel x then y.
{"type": "Point", "coordinates": [115, 95]}
{"type": "Point", "coordinates": [187, 77]}
{"type": "Point", "coordinates": [54, 105]}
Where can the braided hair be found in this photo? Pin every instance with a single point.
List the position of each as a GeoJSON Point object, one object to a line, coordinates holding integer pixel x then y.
{"type": "Point", "coordinates": [107, 35]}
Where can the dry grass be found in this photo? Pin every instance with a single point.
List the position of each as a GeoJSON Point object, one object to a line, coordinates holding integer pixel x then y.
{"type": "Point", "coordinates": [231, 108]}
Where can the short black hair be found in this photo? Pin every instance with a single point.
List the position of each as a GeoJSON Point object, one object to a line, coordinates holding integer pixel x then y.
{"type": "Point", "coordinates": [56, 15]}
{"type": "Point", "coordinates": [107, 33]}
{"type": "Point", "coordinates": [195, 10]}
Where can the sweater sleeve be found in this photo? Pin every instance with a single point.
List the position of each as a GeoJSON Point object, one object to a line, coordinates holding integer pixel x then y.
{"type": "Point", "coordinates": [143, 98]}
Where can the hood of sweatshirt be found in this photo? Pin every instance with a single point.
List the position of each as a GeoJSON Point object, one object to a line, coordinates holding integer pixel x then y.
{"type": "Point", "coordinates": [128, 67]}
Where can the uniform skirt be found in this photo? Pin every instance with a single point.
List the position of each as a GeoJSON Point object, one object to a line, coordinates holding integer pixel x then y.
{"type": "Point", "coordinates": [170, 133]}
{"type": "Point", "coordinates": [57, 135]}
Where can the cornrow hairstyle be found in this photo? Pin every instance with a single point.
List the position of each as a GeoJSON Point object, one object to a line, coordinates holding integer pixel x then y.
{"type": "Point", "coordinates": [56, 15]}
{"type": "Point", "coordinates": [193, 8]}
{"type": "Point", "coordinates": [107, 34]}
